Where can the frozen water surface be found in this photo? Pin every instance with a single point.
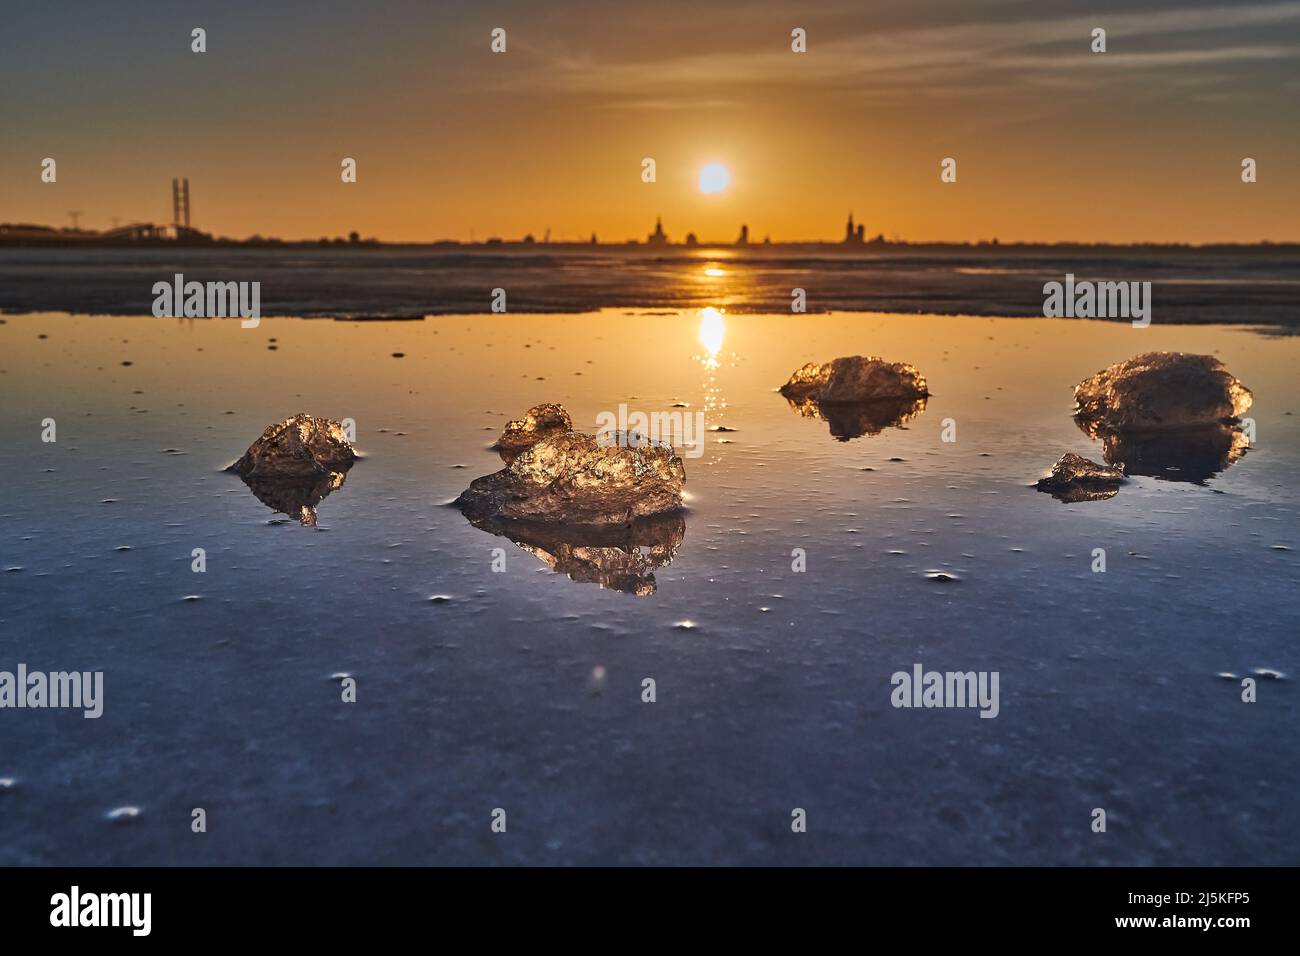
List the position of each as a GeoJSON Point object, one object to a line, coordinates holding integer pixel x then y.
{"type": "Point", "coordinates": [522, 689]}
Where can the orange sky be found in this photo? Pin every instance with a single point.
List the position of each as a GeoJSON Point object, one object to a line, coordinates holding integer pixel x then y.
{"type": "Point", "coordinates": [1052, 141]}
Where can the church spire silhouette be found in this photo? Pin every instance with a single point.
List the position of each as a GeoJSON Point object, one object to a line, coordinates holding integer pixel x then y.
{"type": "Point", "coordinates": [854, 235]}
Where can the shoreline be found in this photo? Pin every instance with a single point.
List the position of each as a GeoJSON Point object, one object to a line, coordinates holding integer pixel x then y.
{"type": "Point", "coordinates": [644, 312]}
{"type": "Point", "coordinates": [869, 248]}
{"type": "Point", "coordinates": [1189, 287]}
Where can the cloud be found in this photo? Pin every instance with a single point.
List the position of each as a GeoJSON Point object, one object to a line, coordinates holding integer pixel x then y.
{"type": "Point", "coordinates": [902, 61]}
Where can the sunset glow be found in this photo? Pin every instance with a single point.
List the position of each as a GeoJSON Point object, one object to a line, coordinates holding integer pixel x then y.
{"type": "Point", "coordinates": [742, 130]}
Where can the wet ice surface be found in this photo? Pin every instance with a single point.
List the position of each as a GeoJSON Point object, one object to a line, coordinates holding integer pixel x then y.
{"type": "Point", "coordinates": [522, 689]}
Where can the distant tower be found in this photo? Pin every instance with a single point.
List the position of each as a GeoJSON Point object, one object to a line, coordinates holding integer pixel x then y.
{"type": "Point", "coordinates": [852, 234]}
{"type": "Point", "coordinates": [658, 237]}
{"type": "Point", "coordinates": [181, 203]}
{"type": "Point", "coordinates": [744, 236]}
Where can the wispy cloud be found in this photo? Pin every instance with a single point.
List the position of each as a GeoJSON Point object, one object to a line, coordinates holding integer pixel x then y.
{"type": "Point", "coordinates": [906, 61]}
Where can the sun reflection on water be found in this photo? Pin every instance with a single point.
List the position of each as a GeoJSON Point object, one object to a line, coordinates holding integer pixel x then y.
{"type": "Point", "coordinates": [713, 329]}
{"type": "Point", "coordinates": [712, 333]}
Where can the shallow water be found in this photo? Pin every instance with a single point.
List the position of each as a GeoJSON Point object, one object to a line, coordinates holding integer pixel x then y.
{"type": "Point", "coordinates": [522, 689]}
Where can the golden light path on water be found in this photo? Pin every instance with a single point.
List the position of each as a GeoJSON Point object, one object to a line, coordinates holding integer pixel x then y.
{"type": "Point", "coordinates": [713, 329]}
{"type": "Point", "coordinates": [712, 333]}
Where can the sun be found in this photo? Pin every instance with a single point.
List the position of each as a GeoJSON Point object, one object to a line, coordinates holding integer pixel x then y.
{"type": "Point", "coordinates": [714, 178]}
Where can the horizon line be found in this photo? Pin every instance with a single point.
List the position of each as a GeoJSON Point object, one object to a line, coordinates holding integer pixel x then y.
{"type": "Point", "coordinates": [16, 234]}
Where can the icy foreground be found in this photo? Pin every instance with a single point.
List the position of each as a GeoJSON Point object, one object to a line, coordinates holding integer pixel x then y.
{"type": "Point", "coordinates": [855, 378]}
{"type": "Point", "coordinates": [1075, 478]}
{"type": "Point", "coordinates": [296, 464]}
{"type": "Point", "coordinates": [1160, 390]}
{"type": "Point", "coordinates": [580, 479]}
{"type": "Point", "coordinates": [298, 447]}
